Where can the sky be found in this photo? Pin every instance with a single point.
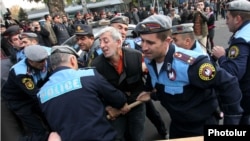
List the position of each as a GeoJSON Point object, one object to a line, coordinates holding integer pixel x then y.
{"type": "Point", "coordinates": [22, 3]}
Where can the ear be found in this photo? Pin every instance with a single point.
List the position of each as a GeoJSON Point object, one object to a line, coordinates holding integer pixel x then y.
{"type": "Point", "coordinates": [169, 39]}
{"type": "Point", "coordinates": [119, 42]}
{"type": "Point", "coordinates": [73, 62]}
{"type": "Point", "coordinates": [187, 41]}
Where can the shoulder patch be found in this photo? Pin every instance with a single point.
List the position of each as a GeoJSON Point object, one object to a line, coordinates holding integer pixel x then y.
{"type": "Point", "coordinates": [29, 84]}
{"type": "Point", "coordinates": [207, 72]}
{"type": "Point", "coordinates": [233, 52]}
{"type": "Point", "coordinates": [184, 57]}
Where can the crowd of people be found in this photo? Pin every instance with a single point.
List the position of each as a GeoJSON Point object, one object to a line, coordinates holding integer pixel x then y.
{"type": "Point", "coordinates": [50, 92]}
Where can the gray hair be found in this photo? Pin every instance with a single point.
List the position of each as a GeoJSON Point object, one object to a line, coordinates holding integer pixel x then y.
{"type": "Point", "coordinates": [57, 59]}
{"type": "Point", "coordinates": [115, 34]}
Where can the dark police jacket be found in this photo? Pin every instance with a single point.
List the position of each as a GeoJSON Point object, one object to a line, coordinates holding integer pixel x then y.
{"type": "Point", "coordinates": [184, 87]}
{"type": "Point", "coordinates": [130, 81]}
{"type": "Point", "coordinates": [23, 84]}
{"type": "Point", "coordinates": [72, 103]}
{"type": "Point", "coordinates": [237, 61]}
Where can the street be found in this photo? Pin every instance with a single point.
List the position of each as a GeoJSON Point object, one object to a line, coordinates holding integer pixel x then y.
{"type": "Point", "coordinates": [221, 38]}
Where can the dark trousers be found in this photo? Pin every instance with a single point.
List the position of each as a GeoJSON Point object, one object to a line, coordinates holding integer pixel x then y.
{"type": "Point", "coordinates": [155, 117]}
{"type": "Point", "coordinates": [33, 120]}
{"type": "Point", "coordinates": [11, 127]}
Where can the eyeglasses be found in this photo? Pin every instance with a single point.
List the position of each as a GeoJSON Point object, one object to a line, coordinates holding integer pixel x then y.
{"type": "Point", "coordinates": [150, 28]}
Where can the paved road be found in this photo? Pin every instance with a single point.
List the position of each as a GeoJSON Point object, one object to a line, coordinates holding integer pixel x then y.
{"type": "Point", "coordinates": [222, 36]}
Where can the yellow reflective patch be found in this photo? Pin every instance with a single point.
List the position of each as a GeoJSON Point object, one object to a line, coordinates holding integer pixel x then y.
{"type": "Point", "coordinates": [206, 72]}
{"type": "Point", "coordinates": [29, 84]}
{"type": "Point", "coordinates": [233, 52]}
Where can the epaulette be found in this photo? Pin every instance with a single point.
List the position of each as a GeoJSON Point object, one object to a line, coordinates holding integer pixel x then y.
{"type": "Point", "coordinates": [184, 57]}
{"type": "Point", "coordinates": [86, 68]}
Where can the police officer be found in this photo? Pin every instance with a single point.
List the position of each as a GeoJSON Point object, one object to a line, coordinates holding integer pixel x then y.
{"type": "Point", "coordinates": [183, 36]}
{"type": "Point", "coordinates": [29, 38]}
{"type": "Point", "coordinates": [24, 80]}
{"type": "Point", "coordinates": [72, 99]}
{"type": "Point", "coordinates": [235, 59]}
{"type": "Point", "coordinates": [86, 43]}
{"type": "Point", "coordinates": [181, 78]}
{"type": "Point", "coordinates": [121, 24]}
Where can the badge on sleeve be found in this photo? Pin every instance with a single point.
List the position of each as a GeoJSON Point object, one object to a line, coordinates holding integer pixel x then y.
{"type": "Point", "coordinates": [28, 83]}
{"type": "Point", "coordinates": [206, 71]}
{"type": "Point", "coordinates": [233, 52]}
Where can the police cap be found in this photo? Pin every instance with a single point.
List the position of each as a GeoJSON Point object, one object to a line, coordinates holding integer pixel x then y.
{"type": "Point", "coordinates": [63, 49]}
{"type": "Point", "coordinates": [27, 35]}
{"type": "Point", "coordinates": [238, 5]}
{"type": "Point", "coordinates": [182, 28]}
{"type": "Point", "coordinates": [12, 30]}
{"type": "Point", "coordinates": [120, 19]}
{"type": "Point", "coordinates": [35, 53]}
{"type": "Point", "coordinates": [83, 29]}
{"type": "Point", "coordinates": [154, 24]}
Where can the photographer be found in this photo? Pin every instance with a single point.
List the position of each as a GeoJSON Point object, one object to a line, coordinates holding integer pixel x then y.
{"type": "Point", "coordinates": [42, 33]}
{"type": "Point", "coordinates": [9, 20]}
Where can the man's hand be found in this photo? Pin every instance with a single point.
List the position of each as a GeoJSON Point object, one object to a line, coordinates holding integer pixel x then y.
{"type": "Point", "coordinates": [218, 52]}
{"type": "Point", "coordinates": [54, 136]}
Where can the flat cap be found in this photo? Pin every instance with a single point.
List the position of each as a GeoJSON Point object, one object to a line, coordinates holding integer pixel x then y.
{"type": "Point", "coordinates": [182, 28]}
{"type": "Point", "coordinates": [63, 49]}
{"type": "Point", "coordinates": [83, 29]}
{"type": "Point", "coordinates": [238, 5]}
{"type": "Point", "coordinates": [27, 35]}
{"type": "Point", "coordinates": [120, 19]}
{"type": "Point", "coordinates": [154, 24]}
{"type": "Point", "coordinates": [35, 53]}
{"type": "Point", "coordinates": [12, 30]}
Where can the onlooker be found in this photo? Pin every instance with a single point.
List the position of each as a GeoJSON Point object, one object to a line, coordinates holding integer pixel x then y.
{"type": "Point", "coordinates": [211, 26]}
{"type": "Point", "coordinates": [235, 59]}
{"type": "Point", "coordinates": [42, 34]}
{"type": "Point", "coordinates": [16, 49]}
{"type": "Point", "coordinates": [48, 25]}
{"type": "Point", "coordinates": [82, 91]}
{"type": "Point", "coordinates": [144, 14]}
{"type": "Point", "coordinates": [122, 67]}
{"type": "Point", "coordinates": [135, 16]}
{"type": "Point", "coordinates": [24, 80]}
{"type": "Point", "coordinates": [200, 23]}
{"type": "Point", "coordinates": [185, 13]}
{"type": "Point", "coordinates": [69, 25]}
{"type": "Point", "coordinates": [176, 19]}
{"type": "Point", "coordinates": [179, 77]}
{"type": "Point", "coordinates": [60, 30]}
{"type": "Point", "coordinates": [78, 18]}
{"type": "Point", "coordinates": [10, 125]}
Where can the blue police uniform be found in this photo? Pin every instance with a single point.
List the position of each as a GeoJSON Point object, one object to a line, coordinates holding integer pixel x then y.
{"type": "Point", "coordinates": [183, 89]}
{"type": "Point", "coordinates": [74, 105]}
{"type": "Point", "coordinates": [151, 112]}
{"type": "Point", "coordinates": [20, 93]}
{"type": "Point", "coordinates": [237, 62]}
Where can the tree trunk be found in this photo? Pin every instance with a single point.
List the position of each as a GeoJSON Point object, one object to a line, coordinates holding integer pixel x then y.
{"type": "Point", "coordinates": [56, 7]}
